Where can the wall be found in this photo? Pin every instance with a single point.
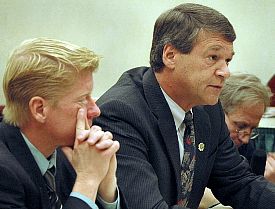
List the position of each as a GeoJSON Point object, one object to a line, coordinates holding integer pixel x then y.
{"type": "Point", "coordinates": [121, 31]}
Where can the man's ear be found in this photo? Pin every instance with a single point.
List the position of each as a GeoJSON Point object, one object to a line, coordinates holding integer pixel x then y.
{"type": "Point", "coordinates": [168, 56]}
{"type": "Point", "coordinates": [38, 108]}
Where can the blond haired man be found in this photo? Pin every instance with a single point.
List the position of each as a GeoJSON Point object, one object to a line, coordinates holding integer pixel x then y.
{"type": "Point", "coordinates": [47, 86]}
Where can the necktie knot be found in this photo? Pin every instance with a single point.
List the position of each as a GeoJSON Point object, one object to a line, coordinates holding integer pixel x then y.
{"type": "Point", "coordinates": [188, 119]}
{"type": "Point", "coordinates": [49, 177]}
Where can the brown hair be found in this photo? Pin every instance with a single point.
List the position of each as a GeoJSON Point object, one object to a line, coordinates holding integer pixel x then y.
{"type": "Point", "coordinates": [180, 27]}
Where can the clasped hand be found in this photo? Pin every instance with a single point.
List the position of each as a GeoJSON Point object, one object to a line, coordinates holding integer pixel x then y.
{"type": "Point", "coordinates": [93, 158]}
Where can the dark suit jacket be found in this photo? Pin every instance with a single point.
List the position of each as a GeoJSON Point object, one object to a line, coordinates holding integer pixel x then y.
{"type": "Point", "coordinates": [247, 150]}
{"type": "Point", "coordinates": [136, 112]}
{"type": "Point", "coordinates": [21, 181]}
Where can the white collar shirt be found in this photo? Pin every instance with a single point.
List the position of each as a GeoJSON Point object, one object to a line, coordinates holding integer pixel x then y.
{"type": "Point", "coordinates": [178, 115]}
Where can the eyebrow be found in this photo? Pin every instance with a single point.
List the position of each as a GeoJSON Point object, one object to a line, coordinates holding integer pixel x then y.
{"type": "Point", "coordinates": [244, 125]}
{"type": "Point", "coordinates": [217, 48]}
{"type": "Point", "coordinates": [84, 95]}
{"type": "Point", "coordinates": [241, 123]}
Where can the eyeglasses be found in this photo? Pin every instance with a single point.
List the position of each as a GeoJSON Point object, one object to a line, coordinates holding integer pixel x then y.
{"type": "Point", "coordinates": [242, 133]}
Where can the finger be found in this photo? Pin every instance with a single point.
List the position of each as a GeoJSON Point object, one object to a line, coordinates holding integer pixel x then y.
{"type": "Point", "coordinates": [95, 136]}
{"type": "Point", "coordinates": [113, 149]}
{"type": "Point", "coordinates": [95, 128]}
{"type": "Point", "coordinates": [104, 144]}
{"type": "Point", "coordinates": [269, 159]}
{"type": "Point", "coordinates": [271, 154]}
{"type": "Point", "coordinates": [272, 162]}
{"type": "Point", "coordinates": [81, 124]}
{"type": "Point", "coordinates": [267, 165]}
{"type": "Point", "coordinates": [87, 125]}
{"type": "Point", "coordinates": [107, 135]}
{"type": "Point", "coordinates": [106, 141]}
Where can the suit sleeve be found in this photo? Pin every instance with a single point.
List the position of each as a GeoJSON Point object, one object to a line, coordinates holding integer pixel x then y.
{"type": "Point", "coordinates": [18, 191]}
{"type": "Point", "coordinates": [11, 190]}
{"type": "Point", "coordinates": [136, 176]}
{"type": "Point", "coordinates": [73, 202]}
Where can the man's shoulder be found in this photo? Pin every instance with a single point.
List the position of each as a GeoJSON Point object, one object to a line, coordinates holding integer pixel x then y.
{"type": "Point", "coordinates": [128, 87]}
{"type": "Point", "coordinates": [6, 129]}
{"type": "Point", "coordinates": [133, 77]}
{"type": "Point", "coordinates": [8, 149]}
{"type": "Point", "coordinates": [8, 161]}
{"type": "Point", "coordinates": [8, 133]}
{"type": "Point", "coordinates": [4, 151]}
{"type": "Point", "coordinates": [212, 110]}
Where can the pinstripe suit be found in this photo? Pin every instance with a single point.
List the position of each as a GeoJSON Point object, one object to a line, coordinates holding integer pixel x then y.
{"type": "Point", "coordinates": [136, 112]}
{"type": "Point", "coordinates": [21, 182]}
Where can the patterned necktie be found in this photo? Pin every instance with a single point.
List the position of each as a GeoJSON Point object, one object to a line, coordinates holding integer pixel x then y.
{"type": "Point", "coordinates": [188, 161]}
{"type": "Point", "coordinates": [50, 182]}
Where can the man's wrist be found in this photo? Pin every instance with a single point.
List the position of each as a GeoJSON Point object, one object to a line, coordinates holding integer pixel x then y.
{"type": "Point", "coordinates": [87, 188]}
{"type": "Point", "coordinates": [109, 194]}
{"type": "Point", "coordinates": [108, 205]}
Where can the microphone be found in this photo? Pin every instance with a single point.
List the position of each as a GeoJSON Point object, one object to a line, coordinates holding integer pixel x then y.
{"type": "Point", "coordinates": [258, 162]}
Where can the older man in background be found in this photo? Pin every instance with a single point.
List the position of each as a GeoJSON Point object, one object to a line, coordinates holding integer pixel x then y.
{"type": "Point", "coordinates": [244, 100]}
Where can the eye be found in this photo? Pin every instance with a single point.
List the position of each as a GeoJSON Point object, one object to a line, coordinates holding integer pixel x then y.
{"type": "Point", "coordinates": [241, 126]}
{"type": "Point", "coordinates": [83, 101]}
{"type": "Point", "coordinates": [213, 58]}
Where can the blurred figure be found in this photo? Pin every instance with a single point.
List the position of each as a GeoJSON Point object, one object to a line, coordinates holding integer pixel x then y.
{"type": "Point", "coordinates": [271, 85]}
{"type": "Point", "coordinates": [47, 86]}
{"type": "Point", "coordinates": [244, 100]}
{"type": "Point", "coordinates": [1, 112]}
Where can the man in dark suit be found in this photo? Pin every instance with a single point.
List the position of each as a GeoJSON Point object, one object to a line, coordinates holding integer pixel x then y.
{"type": "Point", "coordinates": [47, 85]}
{"type": "Point", "coordinates": [192, 47]}
{"type": "Point", "coordinates": [244, 99]}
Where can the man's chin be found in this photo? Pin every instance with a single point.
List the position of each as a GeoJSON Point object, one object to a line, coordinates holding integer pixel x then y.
{"type": "Point", "coordinates": [211, 101]}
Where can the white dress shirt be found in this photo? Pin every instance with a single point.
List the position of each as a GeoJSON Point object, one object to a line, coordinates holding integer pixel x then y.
{"type": "Point", "coordinates": [178, 115]}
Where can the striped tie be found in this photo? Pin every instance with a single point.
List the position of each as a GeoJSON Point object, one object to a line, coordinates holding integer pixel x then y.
{"type": "Point", "coordinates": [188, 161]}
{"type": "Point", "coordinates": [50, 182]}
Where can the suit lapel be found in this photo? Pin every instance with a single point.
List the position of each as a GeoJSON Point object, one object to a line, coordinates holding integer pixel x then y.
{"type": "Point", "coordinates": [166, 124]}
{"type": "Point", "coordinates": [17, 146]}
{"type": "Point", "coordinates": [161, 110]}
{"type": "Point", "coordinates": [202, 137]}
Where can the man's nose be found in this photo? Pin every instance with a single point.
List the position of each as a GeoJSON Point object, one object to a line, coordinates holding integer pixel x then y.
{"type": "Point", "coordinates": [93, 110]}
{"type": "Point", "coordinates": [245, 139]}
{"type": "Point", "coordinates": [223, 71]}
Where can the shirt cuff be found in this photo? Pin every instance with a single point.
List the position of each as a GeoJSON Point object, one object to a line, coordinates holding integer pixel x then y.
{"type": "Point", "coordinates": [84, 199]}
{"type": "Point", "coordinates": [107, 205]}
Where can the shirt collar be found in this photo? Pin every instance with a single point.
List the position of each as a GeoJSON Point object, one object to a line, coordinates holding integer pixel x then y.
{"type": "Point", "coordinates": [177, 112]}
{"type": "Point", "coordinates": [42, 162]}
